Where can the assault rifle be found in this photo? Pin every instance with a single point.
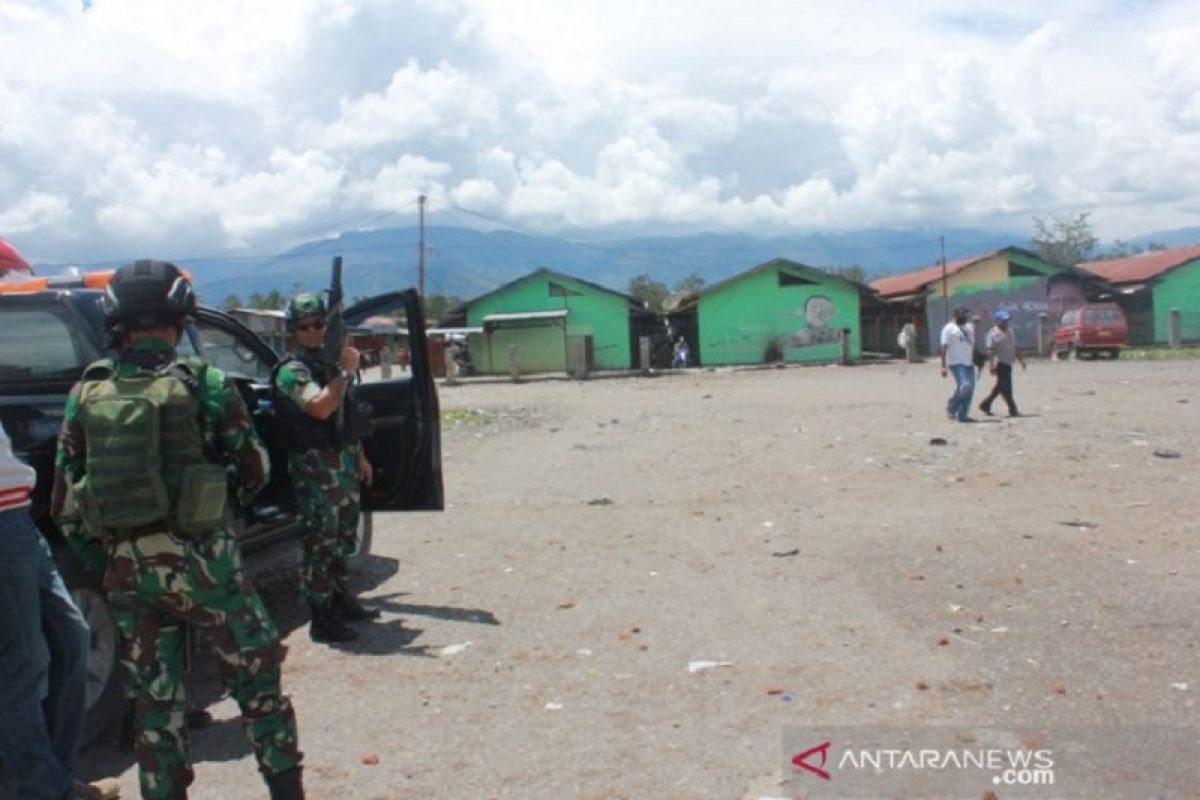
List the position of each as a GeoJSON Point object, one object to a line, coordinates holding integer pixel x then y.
{"type": "Point", "coordinates": [335, 330]}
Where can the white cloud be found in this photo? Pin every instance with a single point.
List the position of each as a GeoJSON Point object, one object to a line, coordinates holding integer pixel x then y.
{"type": "Point", "coordinates": [138, 123]}
{"type": "Point", "coordinates": [33, 211]}
{"type": "Point", "coordinates": [438, 103]}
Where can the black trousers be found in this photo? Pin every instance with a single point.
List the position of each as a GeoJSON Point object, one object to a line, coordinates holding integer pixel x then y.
{"type": "Point", "coordinates": [1003, 388]}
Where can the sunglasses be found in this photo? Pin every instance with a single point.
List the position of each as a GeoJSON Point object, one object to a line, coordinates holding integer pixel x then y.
{"type": "Point", "coordinates": [315, 325]}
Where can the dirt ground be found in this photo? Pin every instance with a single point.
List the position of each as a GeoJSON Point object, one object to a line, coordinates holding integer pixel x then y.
{"type": "Point", "coordinates": [798, 527]}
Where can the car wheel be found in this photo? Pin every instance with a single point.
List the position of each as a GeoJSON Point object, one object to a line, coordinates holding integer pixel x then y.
{"type": "Point", "coordinates": [362, 540]}
{"type": "Point", "coordinates": [104, 701]}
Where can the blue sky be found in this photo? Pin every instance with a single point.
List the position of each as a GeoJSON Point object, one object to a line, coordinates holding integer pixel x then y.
{"type": "Point", "coordinates": [133, 126]}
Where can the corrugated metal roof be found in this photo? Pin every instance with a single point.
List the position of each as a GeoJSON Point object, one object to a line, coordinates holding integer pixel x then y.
{"type": "Point", "coordinates": [1144, 267]}
{"type": "Point", "coordinates": [525, 315]}
{"type": "Point", "coordinates": [917, 280]}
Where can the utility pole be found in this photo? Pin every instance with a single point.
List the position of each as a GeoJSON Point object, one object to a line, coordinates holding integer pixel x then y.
{"type": "Point", "coordinates": [421, 247]}
{"type": "Point", "coordinates": [945, 291]}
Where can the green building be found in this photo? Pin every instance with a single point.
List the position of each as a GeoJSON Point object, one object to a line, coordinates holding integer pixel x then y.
{"type": "Point", "coordinates": [1011, 279]}
{"type": "Point", "coordinates": [777, 311]}
{"type": "Point", "coordinates": [557, 323]}
{"type": "Point", "coordinates": [1151, 285]}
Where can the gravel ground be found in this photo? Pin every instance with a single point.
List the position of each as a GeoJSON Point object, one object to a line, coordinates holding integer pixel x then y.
{"type": "Point", "coordinates": [796, 526]}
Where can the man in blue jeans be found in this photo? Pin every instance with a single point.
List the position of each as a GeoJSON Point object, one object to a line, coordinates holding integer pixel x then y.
{"type": "Point", "coordinates": [44, 642]}
{"type": "Point", "coordinates": [958, 350]}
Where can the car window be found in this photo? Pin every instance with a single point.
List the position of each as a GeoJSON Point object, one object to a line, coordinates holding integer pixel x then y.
{"type": "Point", "coordinates": [1071, 317]}
{"type": "Point", "coordinates": [39, 343]}
{"type": "Point", "coordinates": [1102, 315]}
{"type": "Point", "coordinates": [226, 351]}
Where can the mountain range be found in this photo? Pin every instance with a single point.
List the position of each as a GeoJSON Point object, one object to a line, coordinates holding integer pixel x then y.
{"type": "Point", "coordinates": [466, 262]}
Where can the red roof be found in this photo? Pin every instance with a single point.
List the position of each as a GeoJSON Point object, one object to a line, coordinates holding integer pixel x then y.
{"type": "Point", "coordinates": [1137, 269]}
{"type": "Point", "coordinates": [910, 282]}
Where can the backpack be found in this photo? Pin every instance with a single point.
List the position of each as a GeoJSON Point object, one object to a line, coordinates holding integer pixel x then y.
{"type": "Point", "coordinates": [145, 460]}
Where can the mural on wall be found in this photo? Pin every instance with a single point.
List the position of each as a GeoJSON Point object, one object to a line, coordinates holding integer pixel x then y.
{"type": "Point", "coordinates": [1052, 296]}
{"type": "Point", "coordinates": [817, 328]}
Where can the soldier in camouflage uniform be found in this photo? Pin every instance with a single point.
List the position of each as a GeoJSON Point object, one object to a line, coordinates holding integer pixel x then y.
{"type": "Point", "coordinates": [173, 571]}
{"type": "Point", "coordinates": [327, 465]}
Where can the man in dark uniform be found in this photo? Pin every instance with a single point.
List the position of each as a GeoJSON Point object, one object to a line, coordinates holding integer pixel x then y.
{"type": "Point", "coordinates": [327, 465]}
{"type": "Point", "coordinates": [149, 444]}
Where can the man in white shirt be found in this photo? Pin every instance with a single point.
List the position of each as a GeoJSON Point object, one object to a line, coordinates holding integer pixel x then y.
{"type": "Point", "coordinates": [958, 349]}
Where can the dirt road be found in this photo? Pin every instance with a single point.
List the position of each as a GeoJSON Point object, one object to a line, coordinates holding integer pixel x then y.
{"type": "Point", "coordinates": [795, 526]}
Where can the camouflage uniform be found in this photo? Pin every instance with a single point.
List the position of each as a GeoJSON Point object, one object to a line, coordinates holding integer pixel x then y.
{"type": "Point", "coordinates": [326, 482]}
{"type": "Point", "coordinates": [158, 582]}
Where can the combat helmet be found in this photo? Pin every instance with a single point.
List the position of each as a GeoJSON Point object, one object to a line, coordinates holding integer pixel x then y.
{"type": "Point", "coordinates": [147, 294]}
{"type": "Point", "coordinates": [304, 305]}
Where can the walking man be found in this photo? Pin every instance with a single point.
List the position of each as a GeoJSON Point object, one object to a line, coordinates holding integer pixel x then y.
{"type": "Point", "coordinates": [149, 443]}
{"type": "Point", "coordinates": [1002, 352]}
{"type": "Point", "coordinates": [957, 358]}
{"type": "Point", "coordinates": [327, 465]}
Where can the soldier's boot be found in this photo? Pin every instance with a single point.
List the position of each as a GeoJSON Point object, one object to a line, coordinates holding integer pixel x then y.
{"type": "Point", "coordinates": [349, 609]}
{"type": "Point", "coordinates": [286, 785]}
{"type": "Point", "coordinates": [327, 626]}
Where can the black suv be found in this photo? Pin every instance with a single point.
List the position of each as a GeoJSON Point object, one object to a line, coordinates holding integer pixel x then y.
{"type": "Point", "coordinates": [47, 337]}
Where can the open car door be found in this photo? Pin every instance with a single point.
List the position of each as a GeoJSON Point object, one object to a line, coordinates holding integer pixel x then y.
{"type": "Point", "coordinates": [405, 449]}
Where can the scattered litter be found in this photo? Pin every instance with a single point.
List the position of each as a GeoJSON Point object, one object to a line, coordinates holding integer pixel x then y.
{"type": "Point", "coordinates": [566, 604]}
{"type": "Point", "coordinates": [1078, 523]}
{"type": "Point", "coordinates": [1059, 688]}
{"type": "Point", "coordinates": [1140, 443]}
{"type": "Point", "coordinates": [938, 441]}
{"type": "Point", "coordinates": [629, 633]}
{"type": "Point", "coordinates": [554, 706]}
{"type": "Point", "coordinates": [1001, 629]}
{"type": "Point", "coordinates": [943, 641]}
{"type": "Point", "coordinates": [775, 690]}
{"type": "Point", "coordinates": [602, 500]}
{"type": "Point", "coordinates": [1138, 504]}
{"type": "Point", "coordinates": [1181, 687]}
{"type": "Point", "coordinates": [768, 524]}
{"type": "Point", "coordinates": [922, 686]}
{"type": "Point", "coordinates": [455, 649]}
{"type": "Point", "coordinates": [583, 652]}
{"type": "Point", "coordinates": [1165, 453]}
{"type": "Point", "coordinates": [1131, 561]}
{"type": "Point", "coordinates": [700, 666]}
{"type": "Point", "coordinates": [965, 640]}
{"type": "Point", "coordinates": [955, 607]}
{"type": "Point", "coordinates": [786, 553]}
{"type": "Point", "coordinates": [370, 759]}
{"type": "Point", "coordinates": [786, 697]}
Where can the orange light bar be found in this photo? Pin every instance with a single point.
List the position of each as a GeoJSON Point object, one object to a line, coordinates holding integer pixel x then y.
{"type": "Point", "coordinates": [97, 279]}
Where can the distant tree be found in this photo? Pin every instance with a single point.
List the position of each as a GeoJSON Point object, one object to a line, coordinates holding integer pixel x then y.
{"type": "Point", "coordinates": [649, 291]}
{"type": "Point", "coordinates": [1064, 240]}
{"type": "Point", "coordinates": [272, 300]}
{"type": "Point", "coordinates": [231, 302]}
{"type": "Point", "coordinates": [437, 304]}
{"type": "Point", "coordinates": [690, 285]}
{"type": "Point", "coordinates": [851, 272]}
{"type": "Point", "coordinates": [1123, 249]}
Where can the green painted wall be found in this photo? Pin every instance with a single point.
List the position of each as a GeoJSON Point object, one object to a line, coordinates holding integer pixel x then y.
{"type": "Point", "coordinates": [744, 320]}
{"type": "Point", "coordinates": [592, 312]}
{"type": "Point", "coordinates": [1179, 288]}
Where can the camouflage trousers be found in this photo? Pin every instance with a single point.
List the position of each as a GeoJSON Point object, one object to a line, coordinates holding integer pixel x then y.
{"type": "Point", "coordinates": [327, 490]}
{"type": "Point", "coordinates": [157, 584]}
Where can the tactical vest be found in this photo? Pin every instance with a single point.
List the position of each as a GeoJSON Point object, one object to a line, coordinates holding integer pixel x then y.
{"type": "Point", "coordinates": [145, 463]}
{"type": "Point", "coordinates": [302, 431]}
